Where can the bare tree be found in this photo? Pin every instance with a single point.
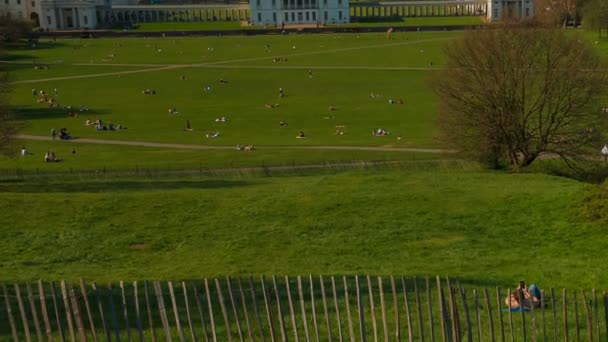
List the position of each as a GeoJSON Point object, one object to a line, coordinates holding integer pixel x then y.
{"type": "Point", "coordinates": [595, 16]}
{"type": "Point", "coordinates": [510, 93]}
{"type": "Point", "coordinates": [556, 12]}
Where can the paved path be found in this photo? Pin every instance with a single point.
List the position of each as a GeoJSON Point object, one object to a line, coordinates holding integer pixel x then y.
{"type": "Point", "coordinates": [216, 147]}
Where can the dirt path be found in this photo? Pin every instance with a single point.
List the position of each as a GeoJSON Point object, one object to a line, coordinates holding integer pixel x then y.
{"type": "Point", "coordinates": [212, 147]}
{"type": "Point", "coordinates": [94, 75]}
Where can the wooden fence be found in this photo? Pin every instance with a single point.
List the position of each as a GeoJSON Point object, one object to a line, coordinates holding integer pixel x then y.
{"type": "Point", "coordinates": [319, 308]}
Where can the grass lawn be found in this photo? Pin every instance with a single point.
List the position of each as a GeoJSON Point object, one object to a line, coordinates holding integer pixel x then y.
{"type": "Point", "coordinates": [350, 222]}
{"type": "Point", "coordinates": [415, 22]}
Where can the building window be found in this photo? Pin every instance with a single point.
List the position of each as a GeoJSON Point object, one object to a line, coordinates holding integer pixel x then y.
{"type": "Point", "coordinates": [314, 16]}
{"type": "Point", "coordinates": [48, 20]}
{"type": "Point", "coordinates": [339, 2]}
{"type": "Point", "coordinates": [259, 17]}
{"type": "Point", "coordinates": [293, 16]}
{"type": "Point", "coordinates": [527, 12]}
{"type": "Point", "coordinates": [258, 3]}
{"type": "Point", "coordinates": [313, 3]}
{"type": "Point", "coordinates": [20, 14]}
{"type": "Point", "coordinates": [6, 2]}
{"type": "Point", "coordinates": [496, 13]}
{"type": "Point", "coordinates": [274, 17]}
{"type": "Point", "coordinates": [307, 16]}
{"type": "Point", "coordinates": [274, 2]}
{"type": "Point", "coordinates": [325, 16]}
{"type": "Point", "coordinates": [33, 3]}
{"type": "Point", "coordinates": [18, 2]}
{"type": "Point", "coordinates": [86, 20]}
{"type": "Point", "coordinates": [285, 3]}
{"type": "Point", "coordinates": [340, 15]}
{"type": "Point", "coordinates": [286, 17]}
{"type": "Point", "coordinates": [325, 2]}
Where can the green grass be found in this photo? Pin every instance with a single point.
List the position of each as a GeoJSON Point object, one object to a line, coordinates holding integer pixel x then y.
{"type": "Point", "coordinates": [189, 26]}
{"type": "Point", "coordinates": [415, 22]}
{"type": "Point", "coordinates": [487, 226]}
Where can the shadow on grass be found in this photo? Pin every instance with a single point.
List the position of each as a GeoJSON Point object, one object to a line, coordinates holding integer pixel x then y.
{"type": "Point", "coordinates": [37, 113]}
{"type": "Point", "coordinates": [49, 187]}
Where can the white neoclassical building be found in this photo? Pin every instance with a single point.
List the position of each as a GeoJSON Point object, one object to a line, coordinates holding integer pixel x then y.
{"type": "Point", "coordinates": [297, 12]}
{"type": "Point", "coordinates": [58, 14]}
{"type": "Point", "coordinates": [498, 9]}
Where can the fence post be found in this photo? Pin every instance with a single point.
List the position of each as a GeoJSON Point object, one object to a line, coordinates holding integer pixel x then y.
{"type": "Point", "coordinates": [236, 316]}
{"type": "Point", "coordinates": [24, 319]}
{"type": "Point", "coordinates": [201, 315]}
{"type": "Point", "coordinates": [87, 306]}
{"type": "Point", "coordinates": [186, 301]}
{"type": "Point", "coordinates": [313, 307]}
{"type": "Point", "coordinates": [30, 299]}
{"type": "Point", "coordinates": [589, 318]}
{"type": "Point", "coordinates": [325, 309]}
{"type": "Point", "coordinates": [125, 312]}
{"type": "Point", "coordinates": [565, 314]}
{"type": "Point", "coordinates": [137, 311]}
{"type": "Point", "coordinates": [351, 329]}
{"type": "Point", "coordinates": [372, 309]}
{"type": "Point", "coordinates": [576, 322]}
{"type": "Point", "coordinates": [279, 311]}
{"type": "Point", "coordinates": [383, 309]}
{"type": "Point", "coordinates": [430, 307]}
{"type": "Point", "coordinates": [245, 311]}
{"type": "Point", "coordinates": [360, 310]}
{"type": "Point", "coordinates": [555, 328]}
{"type": "Point", "coordinates": [9, 312]}
{"type": "Point", "coordinates": [408, 316]}
{"type": "Point", "coordinates": [256, 308]}
{"type": "Point", "coordinates": [220, 297]}
{"type": "Point", "coordinates": [210, 307]}
{"type": "Point", "coordinates": [149, 309]}
{"type": "Point", "coordinates": [337, 308]}
{"type": "Point", "coordinates": [268, 310]}
{"type": "Point", "coordinates": [489, 309]}
{"type": "Point", "coordinates": [510, 315]}
{"type": "Point", "coordinates": [292, 313]}
{"type": "Point", "coordinates": [64, 295]}
{"type": "Point", "coordinates": [500, 320]}
{"type": "Point", "coordinates": [162, 310]}
{"type": "Point", "coordinates": [45, 315]}
{"type": "Point", "coordinates": [77, 313]}
{"type": "Point", "coordinates": [57, 312]}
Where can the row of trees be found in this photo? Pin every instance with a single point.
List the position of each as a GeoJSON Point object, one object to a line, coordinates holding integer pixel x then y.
{"type": "Point", "coordinates": [592, 13]}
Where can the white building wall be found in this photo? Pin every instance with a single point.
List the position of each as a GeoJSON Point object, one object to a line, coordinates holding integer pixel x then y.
{"type": "Point", "coordinates": [294, 12]}
{"type": "Point", "coordinates": [497, 9]}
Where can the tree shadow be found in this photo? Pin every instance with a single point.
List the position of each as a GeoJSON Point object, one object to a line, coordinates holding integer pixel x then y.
{"type": "Point", "coordinates": [116, 186]}
{"type": "Point", "coordinates": [34, 113]}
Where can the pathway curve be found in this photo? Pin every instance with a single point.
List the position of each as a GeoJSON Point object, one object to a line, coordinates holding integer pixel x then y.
{"type": "Point", "coordinates": [216, 147]}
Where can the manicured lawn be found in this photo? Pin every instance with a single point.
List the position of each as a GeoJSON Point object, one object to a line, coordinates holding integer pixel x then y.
{"type": "Point", "coordinates": [483, 226]}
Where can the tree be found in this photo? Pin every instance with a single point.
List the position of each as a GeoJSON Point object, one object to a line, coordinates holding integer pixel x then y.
{"type": "Point", "coordinates": [595, 15]}
{"type": "Point", "coordinates": [556, 12]}
{"type": "Point", "coordinates": [510, 93]}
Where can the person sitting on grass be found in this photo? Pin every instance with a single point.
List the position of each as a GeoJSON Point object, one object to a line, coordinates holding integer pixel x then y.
{"type": "Point", "coordinates": [213, 135]}
{"type": "Point", "coordinates": [283, 123]}
{"type": "Point", "coordinates": [300, 135]}
{"type": "Point", "coordinates": [64, 134]}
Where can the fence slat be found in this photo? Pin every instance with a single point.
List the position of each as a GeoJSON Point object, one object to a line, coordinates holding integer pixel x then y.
{"type": "Point", "coordinates": [596, 314]}
{"type": "Point", "coordinates": [275, 285]}
{"type": "Point", "coordinates": [564, 314]}
{"type": "Point", "coordinates": [589, 318]}
{"type": "Point", "coordinates": [418, 309]}
{"type": "Point", "coordinates": [467, 314]}
{"type": "Point", "coordinates": [201, 314]}
{"type": "Point", "coordinates": [510, 315]}
{"type": "Point", "coordinates": [396, 309]}
{"type": "Point", "coordinates": [57, 312]}
{"type": "Point", "coordinates": [372, 309]}
{"type": "Point", "coordinates": [605, 296]}
{"type": "Point", "coordinates": [236, 315]}
{"type": "Point", "coordinates": [23, 314]}
{"type": "Point", "coordinates": [113, 313]}
{"type": "Point", "coordinates": [187, 303]}
{"type": "Point", "coordinates": [408, 316]}
{"type": "Point", "coordinates": [45, 314]}
{"type": "Point", "coordinates": [138, 322]}
{"type": "Point", "coordinates": [87, 306]}
{"type": "Point", "coordinates": [178, 323]}
{"type": "Point", "coordinates": [256, 308]}
{"type": "Point", "coordinates": [554, 308]}
{"type": "Point", "coordinates": [500, 320]}
{"type": "Point", "coordinates": [292, 313]}
{"type": "Point", "coordinates": [325, 308]}
{"type": "Point", "coordinates": [446, 315]}
{"type": "Point", "coordinates": [268, 310]}
{"type": "Point", "coordinates": [125, 311]}
{"type": "Point", "coordinates": [441, 310]}
{"type": "Point", "coordinates": [430, 309]}
{"type": "Point", "coordinates": [383, 309]}
{"type": "Point", "coordinates": [9, 312]}
{"type": "Point", "coordinates": [313, 307]}
{"type": "Point", "coordinates": [478, 315]}
{"type": "Point", "coordinates": [149, 310]}
{"type": "Point", "coordinates": [162, 310]}
{"type": "Point", "coordinates": [210, 308]}
{"type": "Point", "coordinates": [453, 314]}
{"type": "Point", "coordinates": [106, 330]}
{"type": "Point", "coordinates": [576, 321]}
{"type": "Point", "coordinates": [486, 297]}
{"type": "Point", "coordinates": [360, 310]}
{"type": "Point", "coordinates": [522, 313]}
{"type": "Point", "coordinates": [245, 310]}
{"type": "Point", "coordinates": [351, 327]}
{"type": "Point", "coordinates": [542, 314]}
{"type": "Point", "coordinates": [77, 314]}
{"type": "Point", "coordinates": [337, 309]}
{"type": "Point", "coordinates": [30, 299]}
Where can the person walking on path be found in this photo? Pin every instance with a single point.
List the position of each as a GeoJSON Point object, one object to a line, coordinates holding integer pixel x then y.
{"type": "Point", "coordinates": [605, 152]}
{"type": "Point", "coordinates": [53, 133]}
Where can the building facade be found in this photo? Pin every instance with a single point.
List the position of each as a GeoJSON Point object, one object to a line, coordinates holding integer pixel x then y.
{"type": "Point", "coordinates": [500, 9]}
{"type": "Point", "coordinates": [297, 12]}
{"type": "Point", "coordinates": [58, 14]}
